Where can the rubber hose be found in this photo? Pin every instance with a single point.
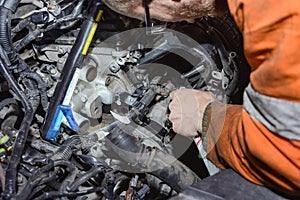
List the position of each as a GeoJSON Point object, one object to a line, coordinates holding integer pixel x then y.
{"type": "Point", "coordinates": [171, 171]}
{"type": "Point", "coordinates": [7, 102]}
{"type": "Point", "coordinates": [160, 164]}
{"type": "Point", "coordinates": [66, 150]}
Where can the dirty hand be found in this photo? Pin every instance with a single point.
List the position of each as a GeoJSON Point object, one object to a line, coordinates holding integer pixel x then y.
{"type": "Point", "coordinates": [187, 108]}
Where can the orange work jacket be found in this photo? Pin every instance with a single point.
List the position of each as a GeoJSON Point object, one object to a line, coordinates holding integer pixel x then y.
{"type": "Point", "coordinates": [271, 31]}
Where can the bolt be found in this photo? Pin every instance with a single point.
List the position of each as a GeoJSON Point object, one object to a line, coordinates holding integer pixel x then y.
{"type": "Point", "coordinates": [114, 68]}
{"type": "Point", "coordinates": [53, 71]}
{"type": "Point", "coordinates": [76, 91]}
{"type": "Point", "coordinates": [83, 99]}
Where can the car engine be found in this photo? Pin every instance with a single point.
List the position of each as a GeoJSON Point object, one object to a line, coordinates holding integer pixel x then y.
{"type": "Point", "coordinates": [85, 94]}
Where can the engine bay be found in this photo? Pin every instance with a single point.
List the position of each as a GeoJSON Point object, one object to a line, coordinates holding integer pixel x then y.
{"type": "Point", "coordinates": [85, 94]}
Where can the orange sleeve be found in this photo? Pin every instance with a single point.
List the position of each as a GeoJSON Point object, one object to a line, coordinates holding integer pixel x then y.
{"type": "Point", "coordinates": [271, 42]}
{"type": "Point", "coordinates": [271, 31]}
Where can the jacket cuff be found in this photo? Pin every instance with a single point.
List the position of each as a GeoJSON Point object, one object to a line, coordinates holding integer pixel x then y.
{"type": "Point", "coordinates": [206, 119]}
{"type": "Point", "coordinates": [206, 122]}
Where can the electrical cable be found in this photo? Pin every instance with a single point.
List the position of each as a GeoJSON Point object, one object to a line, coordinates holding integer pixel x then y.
{"type": "Point", "coordinates": [11, 172]}
{"type": "Point", "coordinates": [65, 151]}
{"type": "Point", "coordinates": [92, 172]}
{"type": "Point", "coordinates": [40, 176]}
{"type": "Point", "coordinates": [5, 34]}
{"type": "Point", "coordinates": [19, 45]}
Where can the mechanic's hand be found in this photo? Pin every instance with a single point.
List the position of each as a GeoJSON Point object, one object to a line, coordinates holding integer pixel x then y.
{"type": "Point", "coordinates": [187, 108]}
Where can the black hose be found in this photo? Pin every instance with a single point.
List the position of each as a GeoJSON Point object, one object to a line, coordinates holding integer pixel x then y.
{"type": "Point", "coordinates": [26, 169]}
{"type": "Point", "coordinates": [11, 172]}
{"type": "Point", "coordinates": [11, 5]}
{"type": "Point", "coordinates": [84, 178]}
{"type": "Point", "coordinates": [42, 185]}
{"type": "Point", "coordinates": [171, 171]}
{"type": "Point", "coordinates": [20, 26]}
{"type": "Point", "coordinates": [7, 102]}
{"type": "Point", "coordinates": [70, 178]}
{"type": "Point", "coordinates": [150, 160]}
{"type": "Point", "coordinates": [66, 150]}
{"type": "Point", "coordinates": [91, 161]}
{"type": "Point", "coordinates": [41, 160]}
{"type": "Point", "coordinates": [27, 39]}
{"type": "Point", "coordinates": [33, 184]}
{"type": "Point", "coordinates": [4, 57]}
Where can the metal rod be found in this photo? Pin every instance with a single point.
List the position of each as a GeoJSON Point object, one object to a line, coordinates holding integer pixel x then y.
{"type": "Point", "coordinates": [147, 14]}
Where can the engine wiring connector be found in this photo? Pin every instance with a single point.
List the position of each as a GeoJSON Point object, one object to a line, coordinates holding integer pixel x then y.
{"type": "Point", "coordinates": [5, 146]}
{"type": "Point", "coordinates": [5, 141]}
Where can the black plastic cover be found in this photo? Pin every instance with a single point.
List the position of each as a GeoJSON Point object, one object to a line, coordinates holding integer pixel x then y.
{"type": "Point", "coordinates": [227, 185]}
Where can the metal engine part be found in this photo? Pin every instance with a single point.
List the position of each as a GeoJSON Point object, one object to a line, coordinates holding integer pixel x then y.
{"type": "Point", "coordinates": [112, 136]}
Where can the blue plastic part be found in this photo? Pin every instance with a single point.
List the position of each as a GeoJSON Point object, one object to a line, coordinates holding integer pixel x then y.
{"type": "Point", "coordinates": [61, 111]}
{"type": "Point", "coordinates": [67, 111]}
{"type": "Point", "coordinates": [55, 125]}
